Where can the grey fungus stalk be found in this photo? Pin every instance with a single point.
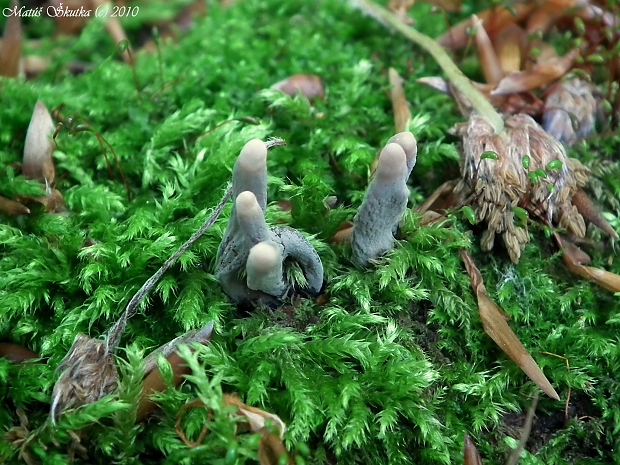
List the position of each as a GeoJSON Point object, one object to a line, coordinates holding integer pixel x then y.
{"type": "Point", "coordinates": [250, 263]}
{"type": "Point", "coordinates": [385, 202]}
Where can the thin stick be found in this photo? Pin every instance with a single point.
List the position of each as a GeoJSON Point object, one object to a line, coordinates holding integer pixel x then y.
{"type": "Point", "coordinates": [114, 335]}
{"type": "Point", "coordinates": [455, 75]}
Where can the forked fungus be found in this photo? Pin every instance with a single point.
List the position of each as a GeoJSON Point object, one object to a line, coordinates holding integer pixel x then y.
{"type": "Point", "coordinates": [247, 228]}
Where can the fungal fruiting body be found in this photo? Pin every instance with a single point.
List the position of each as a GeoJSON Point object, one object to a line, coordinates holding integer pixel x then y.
{"type": "Point", "coordinates": [251, 257]}
{"type": "Point", "coordinates": [385, 201]}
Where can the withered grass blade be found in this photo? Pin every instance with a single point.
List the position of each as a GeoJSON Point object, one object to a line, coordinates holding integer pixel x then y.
{"type": "Point", "coordinates": [400, 106]}
{"type": "Point", "coordinates": [11, 48]}
{"type": "Point", "coordinates": [470, 452]}
{"type": "Point", "coordinates": [486, 53]}
{"type": "Point", "coordinates": [525, 433]}
{"type": "Point", "coordinates": [539, 75]}
{"type": "Point", "coordinates": [497, 328]}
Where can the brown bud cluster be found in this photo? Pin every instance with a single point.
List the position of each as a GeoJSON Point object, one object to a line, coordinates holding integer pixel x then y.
{"type": "Point", "coordinates": [503, 171]}
{"type": "Point", "coordinates": [87, 373]}
{"type": "Point", "coordinates": [570, 110]}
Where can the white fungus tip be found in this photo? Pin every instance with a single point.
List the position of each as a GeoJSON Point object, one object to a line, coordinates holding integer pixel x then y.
{"type": "Point", "coordinates": [253, 156]}
{"type": "Point", "coordinates": [392, 161]}
{"type": "Point", "coordinates": [263, 257]}
{"type": "Point", "coordinates": [408, 142]}
{"type": "Point", "coordinates": [246, 202]}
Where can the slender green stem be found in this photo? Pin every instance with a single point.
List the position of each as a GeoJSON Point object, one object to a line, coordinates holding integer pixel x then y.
{"type": "Point", "coordinates": [454, 74]}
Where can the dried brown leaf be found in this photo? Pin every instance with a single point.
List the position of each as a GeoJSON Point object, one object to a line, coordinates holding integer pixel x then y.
{"type": "Point", "coordinates": [470, 452]}
{"type": "Point", "coordinates": [154, 382]}
{"type": "Point", "coordinates": [542, 18]}
{"type": "Point", "coordinates": [400, 106]}
{"type": "Point", "coordinates": [497, 328]}
{"type": "Point", "coordinates": [486, 53]}
{"type": "Point", "coordinates": [16, 353]}
{"type": "Point", "coordinates": [538, 76]}
{"type": "Point", "coordinates": [10, 207]}
{"type": "Point", "coordinates": [494, 20]}
{"type": "Point", "coordinates": [590, 212]}
{"type": "Point", "coordinates": [308, 85]}
{"type": "Point", "coordinates": [11, 48]}
{"type": "Point", "coordinates": [510, 45]}
{"type": "Point", "coordinates": [571, 255]}
{"type": "Point", "coordinates": [256, 418]}
{"type": "Point", "coordinates": [37, 162]}
{"type": "Point", "coordinates": [343, 235]}
{"type": "Point", "coordinates": [401, 9]}
{"type": "Point", "coordinates": [71, 23]}
{"type": "Point", "coordinates": [270, 449]}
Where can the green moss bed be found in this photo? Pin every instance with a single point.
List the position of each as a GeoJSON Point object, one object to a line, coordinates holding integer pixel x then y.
{"type": "Point", "coordinates": [393, 366]}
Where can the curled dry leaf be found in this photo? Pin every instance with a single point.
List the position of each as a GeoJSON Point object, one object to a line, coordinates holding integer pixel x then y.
{"type": "Point", "coordinates": [539, 75]}
{"type": "Point", "coordinates": [486, 53]}
{"type": "Point", "coordinates": [253, 420]}
{"type": "Point", "coordinates": [11, 48]}
{"type": "Point", "coordinates": [494, 21]}
{"type": "Point", "coordinates": [37, 162]}
{"type": "Point", "coordinates": [10, 207]}
{"type": "Point", "coordinates": [400, 107]}
{"type": "Point", "coordinates": [574, 258]}
{"type": "Point", "coordinates": [308, 85]}
{"type": "Point", "coordinates": [343, 235]}
{"type": "Point", "coordinates": [154, 382]}
{"type": "Point", "coordinates": [510, 45]}
{"type": "Point", "coordinates": [495, 325]}
{"type": "Point", "coordinates": [16, 353]}
{"type": "Point", "coordinates": [470, 452]}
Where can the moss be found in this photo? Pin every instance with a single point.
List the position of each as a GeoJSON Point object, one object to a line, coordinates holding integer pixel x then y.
{"type": "Point", "coordinates": [395, 367]}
